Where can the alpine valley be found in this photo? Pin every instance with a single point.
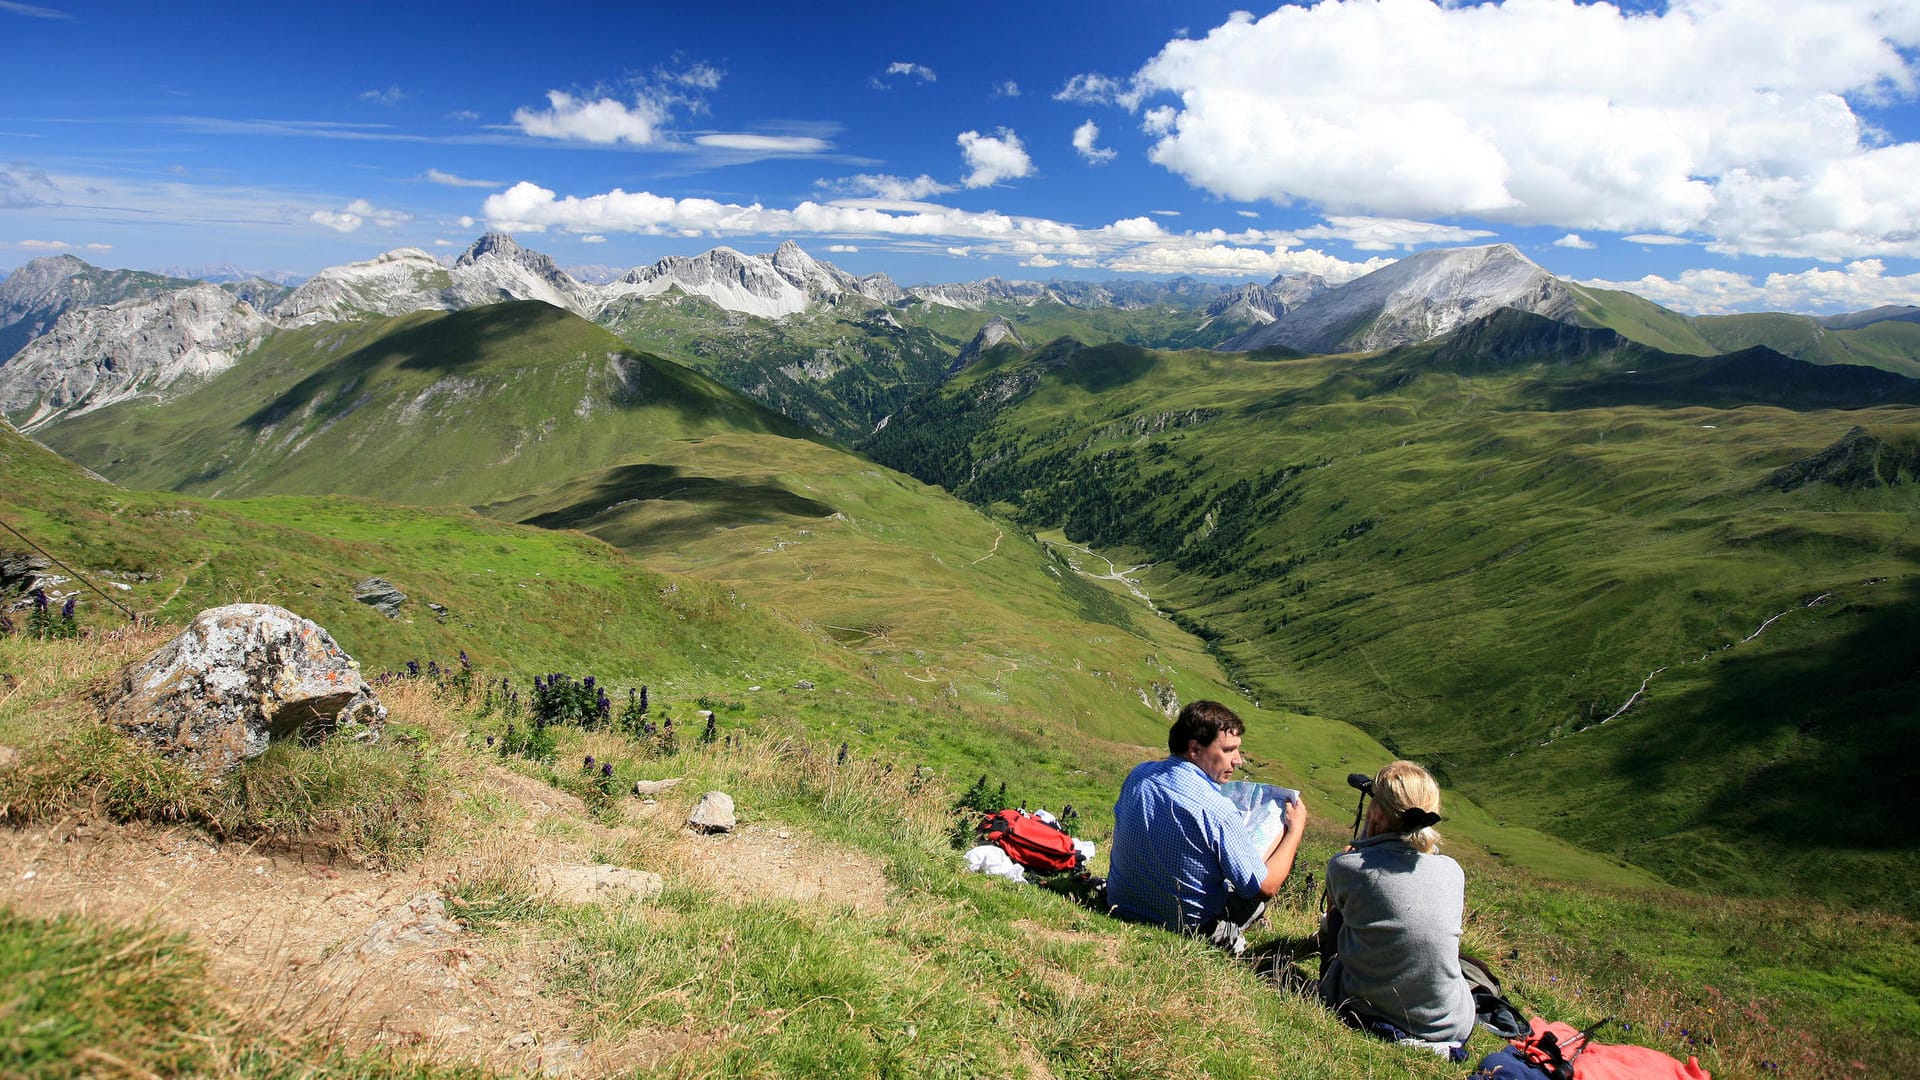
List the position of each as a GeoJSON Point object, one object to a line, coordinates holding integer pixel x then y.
{"type": "Point", "coordinates": [1642, 589]}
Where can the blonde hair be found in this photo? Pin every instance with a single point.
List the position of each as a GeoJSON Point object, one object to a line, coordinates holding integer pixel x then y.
{"type": "Point", "coordinates": [1403, 786]}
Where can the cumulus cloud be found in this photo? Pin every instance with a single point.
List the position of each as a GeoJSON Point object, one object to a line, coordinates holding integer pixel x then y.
{"type": "Point", "coordinates": [1732, 119]}
{"type": "Point", "coordinates": [1574, 240]}
{"type": "Point", "coordinates": [842, 249]}
{"type": "Point", "coordinates": [603, 121]}
{"type": "Point", "coordinates": [1386, 234]}
{"type": "Point", "coordinates": [1084, 138]}
{"type": "Point", "coordinates": [890, 188]}
{"type": "Point", "coordinates": [1006, 89]}
{"type": "Point", "coordinates": [357, 213]}
{"type": "Point", "coordinates": [1862, 284]}
{"type": "Point", "coordinates": [765, 144]}
{"type": "Point", "coordinates": [392, 95]}
{"type": "Point", "coordinates": [435, 176]}
{"type": "Point", "coordinates": [1131, 244]}
{"type": "Point", "coordinates": [959, 252]}
{"type": "Point", "coordinates": [991, 159]}
{"type": "Point", "coordinates": [593, 238]}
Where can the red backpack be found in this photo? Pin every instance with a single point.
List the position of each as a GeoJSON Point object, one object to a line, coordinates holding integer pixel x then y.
{"type": "Point", "coordinates": [1032, 843]}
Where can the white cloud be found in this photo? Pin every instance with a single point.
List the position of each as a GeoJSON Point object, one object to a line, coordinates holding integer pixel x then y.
{"type": "Point", "coordinates": [765, 144]}
{"type": "Point", "coordinates": [1041, 262]}
{"type": "Point", "coordinates": [466, 221]}
{"type": "Point", "coordinates": [99, 247]}
{"type": "Point", "coordinates": [465, 116]}
{"type": "Point", "coordinates": [699, 76]}
{"type": "Point", "coordinates": [44, 245]}
{"type": "Point", "coordinates": [1084, 138]}
{"type": "Point", "coordinates": [357, 213]}
{"type": "Point", "coordinates": [1006, 89]}
{"type": "Point", "coordinates": [392, 95]}
{"type": "Point", "coordinates": [902, 67]}
{"type": "Point", "coordinates": [842, 249]}
{"type": "Point", "coordinates": [1093, 88]}
{"type": "Point", "coordinates": [1164, 213]}
{"type": "Point", "coordinates": [1657, 240]}
{"type": "Point", "coordinates": [992, 159]}
{"type": "Point", "coordinates": [1574, 240]}
{"type": "Point", "coordinates": [959, 252]}
{"type": "Point", "coordinates": [1130, 244]}
{"type": "Point", "coordinates": [445, 243]}
{"type": "Point", "coordinates": [1732, 119]}
{"type": "Point", "coordinates": [1386, 234]}
{"type": "Point", "coordinates": [604, 121]}
{"type": "Point", "coordinates": [448, 179]}
{"type": "Point", "coordinates": [1862, 284]}
{"type": "Point", "coordinates": [883, 186]}
{"type": "Point", "coordinates": [1248, 213]}
{"type": "Point", "coordinates": [593, 238]}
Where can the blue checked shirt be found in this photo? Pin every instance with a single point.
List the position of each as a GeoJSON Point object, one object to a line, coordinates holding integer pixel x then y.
{"type": "Point", "coordinates": [1179, 848]}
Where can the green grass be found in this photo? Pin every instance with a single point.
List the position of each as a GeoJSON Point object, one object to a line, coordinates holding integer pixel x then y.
{"type": "Point", "coordinates": [85, 998]}
{"type": "Point", "coordinates": [1446, 547]}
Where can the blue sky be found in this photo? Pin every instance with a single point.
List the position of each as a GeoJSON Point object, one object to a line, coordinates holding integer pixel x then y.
{"type": "Point", "coordinates": [1717, 155]}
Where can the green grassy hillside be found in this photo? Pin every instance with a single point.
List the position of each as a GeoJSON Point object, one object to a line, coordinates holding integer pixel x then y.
{"type": "Point", "coordinates": [1478, 550]}
{"type": "Point", "coordinates": [1072, 993]}
{"type": "Point", "coordinates": [838, 370]}
{"type": "Point", "coordinates": [1889, 344]}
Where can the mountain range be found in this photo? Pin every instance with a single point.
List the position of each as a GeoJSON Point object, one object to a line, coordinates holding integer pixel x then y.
{"type": "Point", "coordinates": [781, 326]}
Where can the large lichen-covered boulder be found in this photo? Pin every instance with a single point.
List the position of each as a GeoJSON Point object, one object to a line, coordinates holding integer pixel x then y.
{"type": "Point", "coordinates": [238, 677]}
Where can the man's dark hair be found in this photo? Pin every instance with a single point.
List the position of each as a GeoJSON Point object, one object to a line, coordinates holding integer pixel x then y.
{"type": "Point", "coordinates": [1202, 722]}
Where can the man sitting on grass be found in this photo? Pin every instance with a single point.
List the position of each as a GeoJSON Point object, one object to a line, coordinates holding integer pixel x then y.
{"type": "Point", "coordinates": [1182, 856]}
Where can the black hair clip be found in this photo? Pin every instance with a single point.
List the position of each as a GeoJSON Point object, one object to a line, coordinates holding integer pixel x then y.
{"type": "Point", "coordinates": [1418, 818]}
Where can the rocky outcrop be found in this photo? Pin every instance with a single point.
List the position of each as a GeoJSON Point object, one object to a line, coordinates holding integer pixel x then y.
{"type": "Point", "coordinates": [379, 594]}
{"type": "Point", "coordinates": [1856, 461]}
{"type": "Point", "coordinates": [238, 677]}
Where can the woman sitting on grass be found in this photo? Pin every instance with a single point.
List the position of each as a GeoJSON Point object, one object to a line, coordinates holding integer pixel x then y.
{"type": "Point", "coordinates": [1394, 914]}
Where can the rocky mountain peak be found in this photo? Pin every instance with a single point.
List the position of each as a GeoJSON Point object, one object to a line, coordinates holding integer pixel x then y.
{"type": "Point", "coordinates": [1415, 299]}
{"type": "Point", "coordinates": [997, 330]}
{"type": "Point", "coordinates": [493, 243]}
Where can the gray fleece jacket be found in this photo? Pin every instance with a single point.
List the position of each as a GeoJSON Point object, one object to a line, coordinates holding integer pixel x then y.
{"type": "Point", "coordinates": [1399, 943]}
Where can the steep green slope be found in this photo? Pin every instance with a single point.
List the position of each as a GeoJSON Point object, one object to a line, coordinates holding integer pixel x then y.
{"type": "Point", "coordinates": [838, 370]}
{"type": "Point", "coordinates": [432, 408]}
{"type": "Point", "coordinates": [1891, 344]}
{"type": "Point", "coordinates": [1478, 549]}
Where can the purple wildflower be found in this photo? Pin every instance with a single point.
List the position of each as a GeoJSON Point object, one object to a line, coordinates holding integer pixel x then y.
{"type": "Point", "coordinates": [589, 762]}
{"type": "Point", "coordinates": [66, 609]}
{"type": "Point", "coordinates": [464, 662]}
{"type": "Point", "coordinates": [40, 600]}
{"type": "Point", "coordinates": [606, 770]}
{"type": "Point", "coordinates": [588, 683]}
{"type": "Point", "coordinates": [413, 669]}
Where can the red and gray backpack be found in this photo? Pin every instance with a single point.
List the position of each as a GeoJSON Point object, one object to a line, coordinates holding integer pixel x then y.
{"type": "Point", "coordinates": [1032, 843]}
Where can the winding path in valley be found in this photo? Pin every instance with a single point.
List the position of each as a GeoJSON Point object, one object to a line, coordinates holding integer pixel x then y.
{"type": "Point", "coordinates": [1113, 573]}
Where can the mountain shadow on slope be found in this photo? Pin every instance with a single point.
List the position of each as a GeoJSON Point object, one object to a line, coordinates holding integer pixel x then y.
{"type": "Point", "coordinates": [1824, 778]}
{"type": "Point", "coordinates": [1756, 376]}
